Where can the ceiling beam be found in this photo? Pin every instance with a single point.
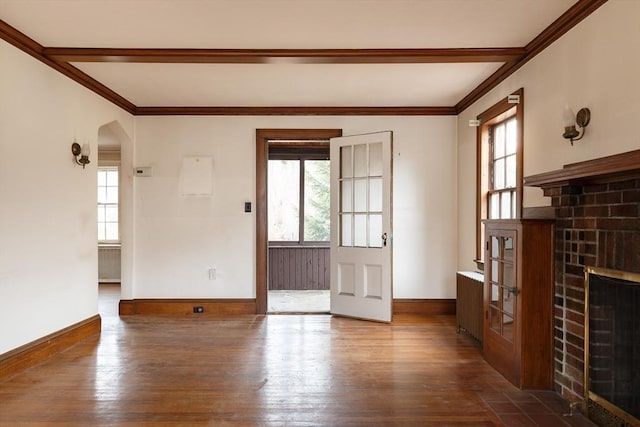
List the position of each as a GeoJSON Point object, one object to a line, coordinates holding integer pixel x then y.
{"type": "Point", "coordinates": [36, 50]}
{"type": "Point", "coordinates": [295, 111]}
{"type": "Point", "coordinates": [284, 56]}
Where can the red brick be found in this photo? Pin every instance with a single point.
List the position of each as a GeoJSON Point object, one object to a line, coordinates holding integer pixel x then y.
{"type": "Point", "coordinates": [627, 210]}
{"type": "Point", "coordinates": [608, 198]}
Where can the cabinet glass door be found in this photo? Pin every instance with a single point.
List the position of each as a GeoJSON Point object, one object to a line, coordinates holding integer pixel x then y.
{"type": "Point", "coordinates": [502, 281]}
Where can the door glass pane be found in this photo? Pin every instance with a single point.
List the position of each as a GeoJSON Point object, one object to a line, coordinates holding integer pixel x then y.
{"type": "Point", "coordinates": [346, 205]}
{"type": "Point", "coordinates": [508, 277]}
{"type": "Point", "coordinates": [360, 231]}
{"type": "Point", "coordinates": [375, 231]}
{"type": "Point", "coordinates": [494, 319]}
{"type": "Point", "coordinates": [508, 248]}
{"type": "Point", "coordinates": [495, 291]}
{"type": "Point", "coordinates": [375, 159]}
{"type": "Point", "coordinates": [346, 165]}
{"type": "Point", "coordinates": [375, 195]}
{"type": "Point", "coordinates": [508, 327]}
{"type": "Point", "coordinates": [494, 270]}
{"type": "Point", "coordinates": [346, 235]}
{"type": "Point", "coordinates": [508, 300]}
{"type": "Point", "coordinates": [360, 160]}
{"type": "Point", "coordinates": [284, 200]}
{"type": "Point", "coordinates": [495, 247]}
{"type": "Point", "coordinates": [360, 195]}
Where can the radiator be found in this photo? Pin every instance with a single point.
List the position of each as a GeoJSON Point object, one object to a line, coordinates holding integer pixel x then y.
{"type": "Point", "coordinates": [109, 264]}
{"type": "Point", "coordinates": [469, 303]}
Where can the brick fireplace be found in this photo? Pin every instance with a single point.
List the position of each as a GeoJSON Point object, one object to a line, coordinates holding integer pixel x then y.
{"type": "Point", "coordinates": [596, 206]}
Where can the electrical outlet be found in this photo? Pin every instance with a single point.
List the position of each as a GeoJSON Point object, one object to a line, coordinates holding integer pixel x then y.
{"type": "Point", "coordinates": [213, 274]}
{"type": "Point", "coordinates": [198, 309]}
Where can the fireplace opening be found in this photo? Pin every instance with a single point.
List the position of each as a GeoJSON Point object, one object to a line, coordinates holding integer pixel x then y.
{"type": "Point", "coordinates": [612, 346]}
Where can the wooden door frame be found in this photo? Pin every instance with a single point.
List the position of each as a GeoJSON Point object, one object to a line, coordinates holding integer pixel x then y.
{"type": "Point", "coordinates": [263, 136]}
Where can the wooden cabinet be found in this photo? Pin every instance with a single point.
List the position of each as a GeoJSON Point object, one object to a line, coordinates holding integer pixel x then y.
{"type": "Point", "coordinates": [518, 301]}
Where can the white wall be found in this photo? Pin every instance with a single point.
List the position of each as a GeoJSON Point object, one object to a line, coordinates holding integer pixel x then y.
{"type": "Point", "coordinates": [595, 65]}
{"type": "Point", "coordinates": [48, 248]}
{"type": "Point", "coordinates": [179, 237]}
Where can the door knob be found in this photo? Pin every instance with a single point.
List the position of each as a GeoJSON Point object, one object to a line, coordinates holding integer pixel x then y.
{"type": "Point", "coordinates": [384, 239]}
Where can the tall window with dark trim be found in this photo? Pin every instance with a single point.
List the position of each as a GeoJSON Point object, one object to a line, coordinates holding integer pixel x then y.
{"type": "Point", "coordinates": [499, 164]}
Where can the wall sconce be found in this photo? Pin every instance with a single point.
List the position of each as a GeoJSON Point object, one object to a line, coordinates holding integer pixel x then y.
{"type": "Point", "coordinates": [83, 152]}
{"type": "Point", "coordinates": [570, 121]}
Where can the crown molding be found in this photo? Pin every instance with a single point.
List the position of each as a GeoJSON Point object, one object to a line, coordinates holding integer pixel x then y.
{"type": "Point", "coordinates": [295, 111]}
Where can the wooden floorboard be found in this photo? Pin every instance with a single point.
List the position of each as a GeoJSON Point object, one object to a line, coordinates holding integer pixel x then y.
{"type": "Point", "coordinates": [254, 370]}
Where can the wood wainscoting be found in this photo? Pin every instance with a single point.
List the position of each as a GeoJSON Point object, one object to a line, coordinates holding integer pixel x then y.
{"type": "Point", "coordinates": [186, 306]}
{"type": "Point", "coordinates": [25, 356]}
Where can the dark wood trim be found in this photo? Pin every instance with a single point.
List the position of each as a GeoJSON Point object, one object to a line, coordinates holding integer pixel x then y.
{"type": "Point", "coordinates": [295, 111]}
{"type": "Point", "coordinates": [603, 168]}
{"type": "Point", "coordinates": [185, 306]}
{"type": "Point", "coordinates": [290, 56]}
{"type": "Point", "coordinates": [33, 48]}
{"type": "Point", "coordinates": [263, 136]}
{"type": "Point", "coordinates": [572, 17]}
{"type": "Point", "coordinates": [30, 354]}
{"type": "Point", "coordinates": [539, 212]}
{"type": "Point", "coordinates": [429, 307]}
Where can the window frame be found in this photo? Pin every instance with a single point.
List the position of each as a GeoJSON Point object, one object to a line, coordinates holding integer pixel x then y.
{"type": "Point", "coordinates": [117, 204]}
{"type": "Point", "coordinates": [500, 112]}
{"type": "Point", "coordinates": [318, 152]}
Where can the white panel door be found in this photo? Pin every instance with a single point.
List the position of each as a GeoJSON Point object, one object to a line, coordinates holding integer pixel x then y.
{"type": "Point", "coordinates": [361, 244]}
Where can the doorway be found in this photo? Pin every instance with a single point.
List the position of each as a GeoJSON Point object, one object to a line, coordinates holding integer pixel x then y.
{"type": "Point", "coordinates": [296, 243]}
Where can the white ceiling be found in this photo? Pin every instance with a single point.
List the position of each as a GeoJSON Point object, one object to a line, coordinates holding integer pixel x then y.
{"type": "Point", "coordinates": [285, 24]}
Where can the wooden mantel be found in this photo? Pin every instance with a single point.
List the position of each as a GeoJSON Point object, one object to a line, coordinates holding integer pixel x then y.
{"type": "Point", "coordinates": [604, 169]}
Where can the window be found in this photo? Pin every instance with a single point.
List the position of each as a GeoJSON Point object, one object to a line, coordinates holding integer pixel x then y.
{"type": "Point", "coordinates": [499, 164]}
{"type": "Point", "coordinates": [108, 205]}
{"type": "Point", "coordinates": [298, 201]}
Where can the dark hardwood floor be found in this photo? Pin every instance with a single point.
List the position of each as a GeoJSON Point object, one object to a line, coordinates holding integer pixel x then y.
{"type": "Point", "coordinates": [293, 370]}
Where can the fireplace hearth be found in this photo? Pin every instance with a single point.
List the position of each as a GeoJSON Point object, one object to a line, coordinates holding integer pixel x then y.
{"type": "Point", "coordinates": [596, 205]}
{"type": "Point", "coordinates": [612, 346]}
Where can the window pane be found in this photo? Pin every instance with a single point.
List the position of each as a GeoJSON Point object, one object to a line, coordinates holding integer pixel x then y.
{"type": "Point", "coordinates": [511, 171]}
{"type": "Point", "coordinates": [375, 159]}
{"type": "Point", "coordinates": [513, 204]}
{"type": "Point", "coordinates": [360, 195]}
{"type": "Point", "coordinates": [112, 195]}
{"type": "Point", "coordinates": [375, 195]}
{"type": "Point", "coordinates": [505, 211]}
{"type": "Point", "coordinates": [375, 231]}
{"type": "Point", "coordinates": [284, 199]}
{"type": "Point", "coordinates": [112, 213]}
{"type": "Point", "coordinates": [498, 141]}
{"type": "Point", "coordinates": [112, 178]}
{"type": "Point", "coordinates": [346, 196]}
{"type": "Point", "coordinates": [512, 142]}
{"type": "Point", "coordinates": [360, 160]}
{"type": "Point", "coordinates": [101, 213]}
{"type": "Point", "coordinates": [495, 249]}
{"type": "Point", "coordinates": [494, 206]}
{"type": "Point", "coordinates": [316, 200]}
{"type": "Point", "coordinates": [346, 166]}
{"type": "Point", "coordinates": [360, 231]}
{"type": "Point", "coordinates": [111, 231]}
{"type": "Point", "coordinates": [346, 234]}
{"type": "Point", "coordinates": [102, 178]}
{"type": "Point", "coordinates": [101, 231]}
{"type": "Point", "coordinates": [102, 194]}
{"type": "Point", "coordinates": [498, 174]}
